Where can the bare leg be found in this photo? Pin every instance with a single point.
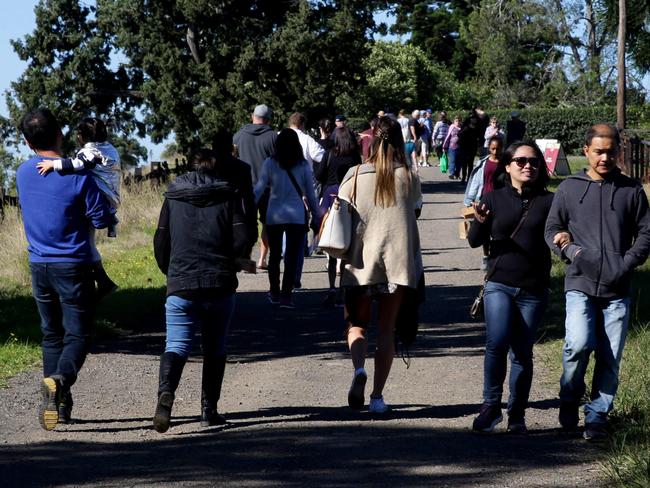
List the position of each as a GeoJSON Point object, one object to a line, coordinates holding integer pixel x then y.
{"type": "Point", "coordinates": [264, 248]}
{"type": "Point", "coordinates": [388, 307]}
{"type": "Point", "coordinates": [357, 341]}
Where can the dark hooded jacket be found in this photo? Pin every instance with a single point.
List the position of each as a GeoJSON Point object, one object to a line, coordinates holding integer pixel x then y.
{"type": "Point", "coordinates": [201, 231]}
{"type": "Point", "coordinates": [255, 143]}
{"type": "Point", "coordinates": [609, 225]}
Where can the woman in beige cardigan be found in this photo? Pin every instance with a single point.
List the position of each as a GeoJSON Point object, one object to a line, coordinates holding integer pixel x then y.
{"type": "Point", "coordinates": [384, 256]}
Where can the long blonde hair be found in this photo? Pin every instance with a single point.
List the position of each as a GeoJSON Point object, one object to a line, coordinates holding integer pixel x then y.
{"type": "Point", "coordinates": [387, 149]}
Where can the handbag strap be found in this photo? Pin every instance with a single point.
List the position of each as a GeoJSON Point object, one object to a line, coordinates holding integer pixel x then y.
{"type": "Point", "coordinates": [353, 194]}
{"type": "Point", "coordinates": [295, 184]}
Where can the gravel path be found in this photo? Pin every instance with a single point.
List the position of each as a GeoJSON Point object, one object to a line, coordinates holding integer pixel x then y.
{"type": "Point", "coordinates": [285, 397]}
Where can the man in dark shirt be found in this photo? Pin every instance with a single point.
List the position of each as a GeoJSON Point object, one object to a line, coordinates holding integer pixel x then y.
{"type": "Point", "coordinates": [254, 143]}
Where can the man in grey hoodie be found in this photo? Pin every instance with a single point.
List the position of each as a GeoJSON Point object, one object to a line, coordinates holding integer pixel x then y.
{"type": "Point", "coordinates": [599, 224]}
{"type": "Point", "coordinates": [255, 143]}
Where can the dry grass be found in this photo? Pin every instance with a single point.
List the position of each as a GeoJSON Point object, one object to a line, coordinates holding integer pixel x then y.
{"type": "Point", "coordinates": [138, 216]}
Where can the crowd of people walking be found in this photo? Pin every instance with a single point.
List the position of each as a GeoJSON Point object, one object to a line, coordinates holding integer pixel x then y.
{"type": "Point", "coordinates": [597, 222]}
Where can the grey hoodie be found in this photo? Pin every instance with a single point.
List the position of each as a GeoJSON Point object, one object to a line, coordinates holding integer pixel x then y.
{"type": "Point", "coordinates": [255, 143]}
{"type": "Point", "coordinates": [609, 225]}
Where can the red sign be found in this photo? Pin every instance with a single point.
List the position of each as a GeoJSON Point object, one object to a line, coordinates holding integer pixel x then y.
{"type": "Point", "coordinates": [550, 156]}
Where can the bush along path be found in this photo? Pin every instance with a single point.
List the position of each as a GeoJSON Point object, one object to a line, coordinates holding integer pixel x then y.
{"type": "Point", "coordinates": [285, 397]}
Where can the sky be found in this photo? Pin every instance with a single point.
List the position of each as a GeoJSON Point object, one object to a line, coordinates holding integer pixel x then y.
{"type": "Point", "coordinates": [17, 19]}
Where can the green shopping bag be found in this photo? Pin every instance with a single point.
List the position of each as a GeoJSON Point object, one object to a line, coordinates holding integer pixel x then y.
{"type": "Point", "coordinates": [443, 163]}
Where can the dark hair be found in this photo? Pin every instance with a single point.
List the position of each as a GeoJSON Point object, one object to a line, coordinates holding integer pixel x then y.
{"type": "Point", "coordinates": [288, 151]}
{"type": "Point", "coordinates": [603, 130]}
{"type": "Point", "coordinates": [222, 143]}
{"type": "Point", "coordinates": [204, 160]}
{"type": "Point", "coordinates": [92, 129]}
{"type": "Point", "coordinates": [501, 175]}
{"type": "Point", "coordinates": [297, 119]}
{"type": "Point", "coordinates": [327, 125]}
{"type": "Point", "coordinates": [40, 128]}
{"type": "Point", "coordinates": [495, 139]}
{"type": "Point", "coordinates": [345, 143]}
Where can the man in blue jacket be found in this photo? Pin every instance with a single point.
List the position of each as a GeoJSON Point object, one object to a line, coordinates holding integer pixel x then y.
{"type": "Point", "coordinates": [599, 224]}
{"type": "Point", "coordinates": [58, 213]}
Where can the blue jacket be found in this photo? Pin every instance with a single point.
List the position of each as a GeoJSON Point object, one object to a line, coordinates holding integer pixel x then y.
{"type": "Point", "coordinates": [58, 213]}
{"type": "Point", "coordinates": [474, 189]}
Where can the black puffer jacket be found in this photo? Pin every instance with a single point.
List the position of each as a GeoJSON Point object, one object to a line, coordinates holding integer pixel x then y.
{"type": "Point", "coordinates": [201, 232]}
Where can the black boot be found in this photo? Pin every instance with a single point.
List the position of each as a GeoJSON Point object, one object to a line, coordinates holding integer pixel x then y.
{"type": "Point", "coordinates": [171, 369]}
{"type": "Point", "coordinates": [65, 406]}
{"type": "Point", "coordinates": [213, 370]}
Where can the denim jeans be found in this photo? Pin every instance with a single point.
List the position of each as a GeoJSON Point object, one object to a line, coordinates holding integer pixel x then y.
{"type": "Point", "coordinates": [452, 158]}
{"type": "Point", "coordinates": [184, 317]}
{"type": "Point", "coordinates": [294, 246]}
{"type": "Point", "coordinates": [598, 325]}
{"type": "Point", "coordinates": [511, 318]}
{"type": "Point", "coordinates": [65, 297]}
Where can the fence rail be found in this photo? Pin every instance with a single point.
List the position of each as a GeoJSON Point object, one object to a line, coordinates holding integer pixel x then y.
{"type": "Point", "coordinates": [636, 157]}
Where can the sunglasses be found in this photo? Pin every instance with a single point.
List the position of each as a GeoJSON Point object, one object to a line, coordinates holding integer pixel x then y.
{"type": "Point", "coordinates": [522, 160]}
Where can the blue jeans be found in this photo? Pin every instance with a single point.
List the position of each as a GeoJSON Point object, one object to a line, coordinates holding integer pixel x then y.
{"type": "Point", "coordinates": [452, 157]}
{"type": "Point", "coordinates": [184, 317]}
{"type": "Point", "coordinates": [511, 319]}
{"type": "Point", "coordinates": [65, 297]}
{"type": "Point", "coordinates": [598, 325]}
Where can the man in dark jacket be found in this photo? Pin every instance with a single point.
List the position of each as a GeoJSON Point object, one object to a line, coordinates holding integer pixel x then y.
{"type": "Point", "coordinates": [599, 224]}
{"type": "Point", "coordinates": [201, 237]}
{"type": "Point", "coordinates": [254, 143]}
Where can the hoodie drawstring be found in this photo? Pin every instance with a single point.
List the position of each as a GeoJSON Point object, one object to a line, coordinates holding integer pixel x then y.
{"type": "Point", "coordinates": [585, 192]}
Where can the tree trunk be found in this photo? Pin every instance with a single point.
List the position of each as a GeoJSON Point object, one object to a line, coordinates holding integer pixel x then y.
{"type": "Point", "coordinates": [620, 92]}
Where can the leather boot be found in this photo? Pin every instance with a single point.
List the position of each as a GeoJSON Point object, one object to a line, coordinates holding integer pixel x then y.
{"type": "Point", "coordinates": [213, 370]}
{"type": "Point", "coordinates": [171, 369]}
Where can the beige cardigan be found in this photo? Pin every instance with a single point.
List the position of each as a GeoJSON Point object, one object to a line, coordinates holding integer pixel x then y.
{"type": "Point", "coordinates": [385, 246]}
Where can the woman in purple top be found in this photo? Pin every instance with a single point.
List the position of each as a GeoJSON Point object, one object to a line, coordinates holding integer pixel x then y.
{"type": "Point", "coordinates": [450, 146]}
{"type": "Point", "coordinates": [329, 173]}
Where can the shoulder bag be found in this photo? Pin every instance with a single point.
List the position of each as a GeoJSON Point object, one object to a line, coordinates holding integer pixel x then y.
{"type": "Point", "coordinates": [336, 229]}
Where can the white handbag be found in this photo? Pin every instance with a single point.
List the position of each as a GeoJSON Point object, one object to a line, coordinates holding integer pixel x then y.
{"type": "Point", "coordinates": [336, 230]}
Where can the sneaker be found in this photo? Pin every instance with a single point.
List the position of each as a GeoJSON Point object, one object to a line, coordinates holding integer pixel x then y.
{"type": "Point", "coordinates": [595, 432]}
{"type": "Point", "coordinates": [517, 424]}
{"type": "Point", "coordinates": [356, 399]}
{"type": "Point", "coordinates": [377, 405]}
{"type": "Point", "coordinates": [287, 303]}
{"type": "Point", "coordinates": [48, 412]}
{"type": "Point", "coordinates": [272, 298]}
{"type": "Point", "coordinates": [65, 408]}
{"type": "Point", "coordinates": [484, 263]}
{"type": "Point", "coordinates": [297, 286]}
{"type": "Point", "coordinates": [568, 416]}
{"type": "Point", "coordinates": [488, 417]}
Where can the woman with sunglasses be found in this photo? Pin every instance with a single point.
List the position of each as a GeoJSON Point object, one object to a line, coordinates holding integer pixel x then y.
{"type": "Point", "coordinates": [511, 219]}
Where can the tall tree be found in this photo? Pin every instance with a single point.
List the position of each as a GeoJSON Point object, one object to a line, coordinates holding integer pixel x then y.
{"type": "Point", "coordinates": [70, 70]}
{"type": "Point", "coordinates": [435, 28]}
{"type": "Point", "coordinates": [519, 57]}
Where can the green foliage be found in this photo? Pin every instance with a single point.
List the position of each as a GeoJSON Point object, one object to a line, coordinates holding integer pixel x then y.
{"type": "Point", "coordinates": [69, 71]}
{"type": "Point", "coordinates": [434, 27]}
{"type": "Point", "coordinates": [569, 125]}
{"type": "Point", "coordinates": [517, 58]}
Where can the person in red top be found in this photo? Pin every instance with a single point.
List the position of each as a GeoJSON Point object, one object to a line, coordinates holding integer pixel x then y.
{"type": "Point", "coordinates": [481, 182]}
{"type": "Point", "coordinates": [366, 137]}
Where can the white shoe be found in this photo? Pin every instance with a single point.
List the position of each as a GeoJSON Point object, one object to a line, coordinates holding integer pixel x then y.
{"type": "Point", "coordinates": [377, 405]}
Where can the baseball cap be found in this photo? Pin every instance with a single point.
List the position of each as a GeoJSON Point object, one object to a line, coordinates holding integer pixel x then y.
{"type": "Point", "coordinates": [340, 118]}
{"type": "Point", "coordinates": [262, 111]}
